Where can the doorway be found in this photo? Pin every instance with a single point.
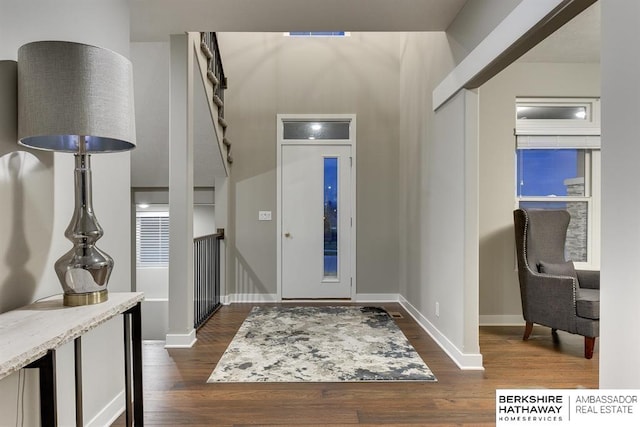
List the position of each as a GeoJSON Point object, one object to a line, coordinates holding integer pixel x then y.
{"type": "Point", "coordinates": [316, 200]}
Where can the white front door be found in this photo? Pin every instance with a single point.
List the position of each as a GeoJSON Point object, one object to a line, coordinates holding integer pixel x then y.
{"type": "Point", "coordinates": [316, 220]}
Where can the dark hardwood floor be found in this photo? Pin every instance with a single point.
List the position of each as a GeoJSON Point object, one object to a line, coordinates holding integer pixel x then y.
{"type": "Point", "coordinates": [176, 392]}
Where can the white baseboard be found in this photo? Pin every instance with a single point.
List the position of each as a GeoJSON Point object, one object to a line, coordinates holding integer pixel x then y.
{"type": "Point", "coordinates": [181, 340]}
{"type": "Point", "coordinates": [464, 361]}
{"type": "Point", "coordinates": [109, 413]}
{"type": "Point", "coordinates": [501, 320]}
{"type": "Point", "coordinates": [377, 298]}
{"type": "Point", "coordinates": [260, 298]}
{"type": "Point", "coordinates": [248, 298]}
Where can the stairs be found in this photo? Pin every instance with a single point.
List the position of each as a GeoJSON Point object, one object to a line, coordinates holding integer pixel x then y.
{"type": "Point", "coordinates": [215, 74]}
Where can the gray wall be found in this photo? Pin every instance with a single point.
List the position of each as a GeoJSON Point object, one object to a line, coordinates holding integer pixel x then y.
{"type": "Point", "coordinates": [270, 74]}
{"type": "Point", "coordinates": [620, 345]}
{"type": "Point", "coordinates": [150, 161]}
{"type": "Point", "coordinates": [37, 190]}
{"type": "Point", "coordinates": [499, 290]}
{"type": "Point", "coordinates": [433, 206]}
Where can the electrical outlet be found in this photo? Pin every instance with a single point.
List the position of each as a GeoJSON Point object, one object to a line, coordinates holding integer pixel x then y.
{"type": "Point", "coordinates": [437, 309]}
{"type": "Point", "coordinates": [264, 215]}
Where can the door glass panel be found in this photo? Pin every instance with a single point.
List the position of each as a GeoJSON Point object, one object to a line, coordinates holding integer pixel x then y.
{"type": "Point", "coordinates": [312, 130]}
{"type": "Point", "coordinates": [330, 217]}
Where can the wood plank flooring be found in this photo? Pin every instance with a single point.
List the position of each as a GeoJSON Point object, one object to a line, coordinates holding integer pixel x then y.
{"type": "Point", "coordinates": [176, 392]}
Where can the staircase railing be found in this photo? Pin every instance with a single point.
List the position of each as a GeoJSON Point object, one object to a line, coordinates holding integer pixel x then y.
{"type": "Point", "coordinates": [215, 74]}
{"type": "Point", "coordinates": [206, 295]}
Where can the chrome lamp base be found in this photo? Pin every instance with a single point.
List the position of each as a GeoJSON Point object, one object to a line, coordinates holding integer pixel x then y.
{"type": "Point", "coordinates": [84, 271]}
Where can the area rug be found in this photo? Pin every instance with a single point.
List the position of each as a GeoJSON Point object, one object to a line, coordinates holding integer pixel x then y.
{"type": "Point", "coordinates": [320, 344]}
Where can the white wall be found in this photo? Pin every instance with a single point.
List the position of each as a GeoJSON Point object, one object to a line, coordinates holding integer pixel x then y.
{"type": "Point", "coordinates": [620, 290]}
{"type": "Point", "coordinates": [499, 289]}
{"type": "Point", "coordinates": [49, 207]}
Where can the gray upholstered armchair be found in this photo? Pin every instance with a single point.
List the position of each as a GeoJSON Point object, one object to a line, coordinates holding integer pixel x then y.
{"type": "Point", "coordinates": [553, 293]}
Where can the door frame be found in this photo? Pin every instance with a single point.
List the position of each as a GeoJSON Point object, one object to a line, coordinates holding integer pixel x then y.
{"type": "Point", "coordinates": [280, 118]}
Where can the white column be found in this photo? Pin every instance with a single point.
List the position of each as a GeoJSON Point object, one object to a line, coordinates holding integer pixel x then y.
{"type": "Point", "coordinates": [620, 277]}
{"type": "Point", "coordinates": [181, 331]}
{"type": "Point", "coordinates": [450, 229]}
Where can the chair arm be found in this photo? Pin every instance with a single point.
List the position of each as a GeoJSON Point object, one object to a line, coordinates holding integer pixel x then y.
{"type": "Point", "coordinates": [551, 301]}
{"type": "Point", "coordinates": [589, 279]}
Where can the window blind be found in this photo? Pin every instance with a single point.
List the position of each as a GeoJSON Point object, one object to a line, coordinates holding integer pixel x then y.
{"type": "Point", "coordinates": [152, 237]}
{"type": "Point", "coordinates": [591, 142]}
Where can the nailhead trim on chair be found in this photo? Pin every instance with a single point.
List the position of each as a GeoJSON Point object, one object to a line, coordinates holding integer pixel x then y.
{"type": "Point", "coordinates": [535, 271]}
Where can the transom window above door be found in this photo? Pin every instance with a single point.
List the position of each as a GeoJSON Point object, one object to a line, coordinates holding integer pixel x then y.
{"type": "Point", "coordinates": [313, 130]}
{"type": "Point", "coordinates": [557, 116]}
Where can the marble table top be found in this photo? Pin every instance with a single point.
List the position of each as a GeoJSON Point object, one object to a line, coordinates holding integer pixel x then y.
{"type": "Point", "coordinates": [26, 334]}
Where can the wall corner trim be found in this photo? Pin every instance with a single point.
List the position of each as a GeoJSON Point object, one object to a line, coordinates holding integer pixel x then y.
{"type": "Point", "coordinates": [181, 340]}
{"type": "Point", "coordinates": [465, 361]}
{"type": "Point", "coordinates": [110, 413]}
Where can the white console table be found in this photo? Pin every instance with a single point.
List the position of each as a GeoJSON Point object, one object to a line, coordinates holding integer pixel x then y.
{"type": "Point", "coordinates": [29, 337]}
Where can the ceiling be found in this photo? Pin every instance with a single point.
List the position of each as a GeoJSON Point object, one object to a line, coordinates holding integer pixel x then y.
{"type": "Point", "coordinates": [154, 20]}
{"type": "Point", "coordinates": [577, 41]}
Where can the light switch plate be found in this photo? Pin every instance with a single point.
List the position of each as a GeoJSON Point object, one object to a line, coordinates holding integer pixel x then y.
{"type": "Point", "coordinates": [264, 215]}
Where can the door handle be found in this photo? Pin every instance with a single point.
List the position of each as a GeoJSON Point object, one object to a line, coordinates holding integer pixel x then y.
{"type": "Point", "coordinates": [287, 235]}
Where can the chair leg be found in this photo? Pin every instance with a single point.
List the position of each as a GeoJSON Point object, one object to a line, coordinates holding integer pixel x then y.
{"type": "Point", "coordinates": [589, 343]}
{"type": "Point", "coordinates": [527, 331]}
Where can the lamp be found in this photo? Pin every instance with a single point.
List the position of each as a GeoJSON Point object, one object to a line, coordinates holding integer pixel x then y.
{"type": "Point", "coordinates": [77, 98]}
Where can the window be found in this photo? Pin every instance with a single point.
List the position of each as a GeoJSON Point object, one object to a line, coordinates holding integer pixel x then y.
{"type": "Point", "coordinates": [330, 217]}
{"type": "Point", "coordinates": [562, 170]}
{"type": "Point", "coordinates": [312, 130]}
{"type": "Point", "coordinates": [317, 34]}
{"type": "Point", "coordinates": [558, 116]}
{"type": "Point", "coordinates": [152, 239]}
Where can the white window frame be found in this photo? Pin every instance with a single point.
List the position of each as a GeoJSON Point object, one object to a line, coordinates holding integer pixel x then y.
{"type": "Point", "coordinates": [588, 126]}
{"type": "Point", "coordinates": [148, 214]}
{"type": "Point", "coordinates": [568, 134]}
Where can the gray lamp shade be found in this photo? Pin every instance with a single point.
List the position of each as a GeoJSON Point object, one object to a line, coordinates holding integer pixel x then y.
{"type": "Point", "coordinates": [67, 90]}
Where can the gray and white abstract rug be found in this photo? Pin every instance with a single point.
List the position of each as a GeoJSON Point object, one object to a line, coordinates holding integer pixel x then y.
{"type": "Point", "coordinates": [320, 344]}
